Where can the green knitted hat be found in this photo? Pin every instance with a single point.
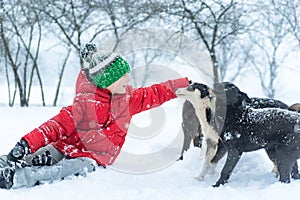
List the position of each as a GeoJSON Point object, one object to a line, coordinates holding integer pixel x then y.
{"type": "Point", "coordinates": [103, 68]}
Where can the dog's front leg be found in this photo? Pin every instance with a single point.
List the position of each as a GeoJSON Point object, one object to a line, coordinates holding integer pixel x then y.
{"type": "Point", "coordinates": [232, 159]}
{"type": "Point", "coordinates": [208, 166]}
{"type": "Point", "coordinates": [285, 166]}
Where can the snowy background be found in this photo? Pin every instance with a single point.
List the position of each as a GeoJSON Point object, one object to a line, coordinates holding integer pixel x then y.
{"type": "Point", "coordinates": [171, 179]}
{"type": "Point", "coordinates": [251, 179]}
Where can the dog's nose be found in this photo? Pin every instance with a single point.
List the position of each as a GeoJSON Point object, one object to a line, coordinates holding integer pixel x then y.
{"type": "Point", "coordinates": [190, 88]}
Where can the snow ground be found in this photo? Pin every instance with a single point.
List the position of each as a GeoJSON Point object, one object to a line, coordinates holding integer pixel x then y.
{"type": "Point", "coordinates": [251, 179]}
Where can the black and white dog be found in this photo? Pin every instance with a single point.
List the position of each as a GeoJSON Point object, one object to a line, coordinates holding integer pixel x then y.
{"type": "Point", "coordinates": [247, 129]}
{"type": "Point", "coordinates": [204, 111]}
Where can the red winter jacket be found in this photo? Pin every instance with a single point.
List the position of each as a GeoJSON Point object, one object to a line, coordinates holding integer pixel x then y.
{"type": "Point", "coordinates": [96, 124]}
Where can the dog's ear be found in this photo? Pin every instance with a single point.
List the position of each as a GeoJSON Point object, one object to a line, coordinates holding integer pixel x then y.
{"type": "Point", "coordinates": [243, 97]}
{"type": "Point", "coordinates": [204, 91]}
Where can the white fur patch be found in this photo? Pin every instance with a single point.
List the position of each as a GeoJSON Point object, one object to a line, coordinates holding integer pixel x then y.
{"type": "Point", "coordinates": [210, 134]}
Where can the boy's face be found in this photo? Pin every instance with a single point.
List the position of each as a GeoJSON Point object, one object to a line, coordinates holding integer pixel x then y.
{"type": "Point", "coordinates": [119, 87]}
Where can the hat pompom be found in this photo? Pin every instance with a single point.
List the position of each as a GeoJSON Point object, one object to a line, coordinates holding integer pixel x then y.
{"type": "Point", "coordinates": [87, 51]}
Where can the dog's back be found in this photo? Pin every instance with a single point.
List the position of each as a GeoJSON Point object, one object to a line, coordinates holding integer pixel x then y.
{"type": "Point", "coordinates": [267, 103]}
{"type": "Point", "coordinates": [263, 128]}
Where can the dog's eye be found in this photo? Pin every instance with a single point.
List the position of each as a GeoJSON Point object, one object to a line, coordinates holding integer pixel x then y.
{"type": "Point", "coordinates": [190, 88]}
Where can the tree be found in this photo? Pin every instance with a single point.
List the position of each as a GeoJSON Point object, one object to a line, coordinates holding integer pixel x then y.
{"type": "Point", "coordinates": [77, 22]}
{"type": "Point", "coordinates": [214, 23]}
{"type": "Point", "coordinates": [269, 37]}
{"type": "Point", "coordinates": [21, 52]}
{"type": "Point", "coordinates": [221, 27]}
{"type": "Point", "coordinates": [290, 10]}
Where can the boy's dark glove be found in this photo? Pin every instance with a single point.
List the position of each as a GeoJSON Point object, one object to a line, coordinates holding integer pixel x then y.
{"type": "Point", "coordinates": [19, 151]}
{"type": "Point", "coordinates": [43, 159]}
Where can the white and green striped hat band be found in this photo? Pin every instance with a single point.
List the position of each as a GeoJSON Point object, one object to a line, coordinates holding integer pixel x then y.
{"type": "Point", "coordinates": [103, 68]}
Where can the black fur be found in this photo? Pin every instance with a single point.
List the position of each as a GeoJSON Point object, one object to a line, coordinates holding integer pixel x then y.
{"type": "Point", "coordinates": [203, 89]}
{"type": "Point", "coordinates": [208, 115]}
{"type": "Point", "coordinates": [247, 129]}
{"type": "Point", "coordinates": [267, 103]}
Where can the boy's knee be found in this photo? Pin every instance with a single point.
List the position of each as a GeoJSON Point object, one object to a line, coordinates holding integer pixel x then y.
{"type": "Point", "coordinates": [77, 166]}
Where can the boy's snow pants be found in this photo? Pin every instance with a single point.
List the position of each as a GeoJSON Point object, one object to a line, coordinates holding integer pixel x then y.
{"type": "Point", "coordinates": [62, 167]}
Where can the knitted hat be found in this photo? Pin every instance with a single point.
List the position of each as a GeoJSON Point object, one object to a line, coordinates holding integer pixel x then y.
{"type": "Point", "coordinates": [103, 68]}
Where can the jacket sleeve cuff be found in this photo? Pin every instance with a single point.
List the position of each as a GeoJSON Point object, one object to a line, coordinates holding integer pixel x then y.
{"type": "Point", "coordinates": [180, 83]}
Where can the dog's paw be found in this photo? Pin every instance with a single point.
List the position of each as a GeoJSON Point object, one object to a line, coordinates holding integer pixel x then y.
{"type": "Point", "coordinates": [219, 183]}
{"type": "Point", "coordinates": [216, 185]}
{"type": "Point", "coordinates": [180, 158]}
{"type": "Point", "coordinates": [296, 176]}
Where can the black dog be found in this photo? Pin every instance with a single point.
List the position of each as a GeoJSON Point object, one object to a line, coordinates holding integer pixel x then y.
{"type": "Point", "coordinates": [247, 129]}
{"type": "Point", "coordinates": [192, 128]}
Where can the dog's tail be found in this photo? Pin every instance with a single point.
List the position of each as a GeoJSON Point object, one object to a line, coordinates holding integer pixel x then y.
{"type": "Point", "coordinates": [295, 107]}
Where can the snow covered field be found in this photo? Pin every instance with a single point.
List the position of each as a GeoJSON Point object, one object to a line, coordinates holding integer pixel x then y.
{"type": "Point", "coordinates": [251, 179]}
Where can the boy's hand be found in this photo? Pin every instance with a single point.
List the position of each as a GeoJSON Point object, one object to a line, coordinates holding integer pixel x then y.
{"type": "Point", "coordinates": [43, 159]}
{"type": "Point", "coordinates": [19, 151]}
